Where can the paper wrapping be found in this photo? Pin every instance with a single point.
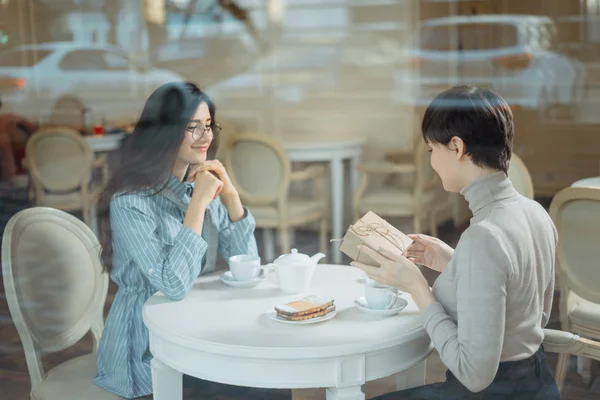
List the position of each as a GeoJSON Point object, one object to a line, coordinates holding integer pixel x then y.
{"type": "Point", "coordinates": [376, 233]}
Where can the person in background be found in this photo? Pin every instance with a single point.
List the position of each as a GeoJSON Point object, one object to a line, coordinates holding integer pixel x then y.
{"type": "Point", "coordinates": [14, 132]}
{"type": "Point", "coordinates": [487, 309]}
{"type": "Point", "coordinates": [166, 212]}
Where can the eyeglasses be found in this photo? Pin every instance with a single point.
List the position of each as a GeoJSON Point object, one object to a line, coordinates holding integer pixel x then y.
{"type": "Point", "coordinates": [198, 131]}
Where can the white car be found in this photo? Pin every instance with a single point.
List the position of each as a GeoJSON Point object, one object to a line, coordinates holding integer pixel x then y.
{"type": "Point", "coordinates": [287, 74]}
{"type": "Point", "coordinates": [515, 55]}
{"type": "Point", "coordinates": [54, 82]}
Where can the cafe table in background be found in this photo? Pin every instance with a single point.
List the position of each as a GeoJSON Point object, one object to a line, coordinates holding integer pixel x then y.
{"type": "Point", "coordinates": [223, 334]}
{"type": "Point", "coordinates": [589, 182]}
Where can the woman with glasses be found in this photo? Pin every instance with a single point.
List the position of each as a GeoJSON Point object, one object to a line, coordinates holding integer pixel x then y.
{"type": "Point", "coordinates": [167, 211]}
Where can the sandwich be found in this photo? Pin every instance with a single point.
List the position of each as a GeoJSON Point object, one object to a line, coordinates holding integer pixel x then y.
{"type": "Point", "coordinates": [307, 308]}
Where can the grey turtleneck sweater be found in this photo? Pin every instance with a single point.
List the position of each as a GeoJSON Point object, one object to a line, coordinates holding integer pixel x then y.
{"type": "Point", "coordinates": [495, 295]}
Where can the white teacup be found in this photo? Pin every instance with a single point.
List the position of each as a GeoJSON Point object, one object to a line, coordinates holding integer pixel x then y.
{"type": "Point", "coordinates": [380, 297]}
{"type": "Point", "coordinates": [244, 267]}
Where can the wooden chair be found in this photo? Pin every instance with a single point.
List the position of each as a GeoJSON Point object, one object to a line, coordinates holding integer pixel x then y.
{"type": "Point", "coordinates": [60, 163]}
{"type": "Point", "coordinates": [576, 214]}
{"type": "Point", "coordinates": [260, 170]}
{"type": "Point", "coordinates": [55, 288]}
{"type": "Point", "coordinates": [567, 343]}
{"type": "Point", "coordinates": [520, 177]}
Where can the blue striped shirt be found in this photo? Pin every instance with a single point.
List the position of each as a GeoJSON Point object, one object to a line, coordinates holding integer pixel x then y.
{"type": "Point", "coordinates": [152, 251]}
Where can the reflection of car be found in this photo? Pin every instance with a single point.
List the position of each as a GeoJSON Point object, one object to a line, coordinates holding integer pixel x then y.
{"type": "Point", "coordinates": [205, 60]}
{"type": "Point", "coordinates": [367, 63]}
{"type": "Point", "coordinates": [285, 74]}
{"type": "Point", "coordinates": [53, 82]}
{"type": "Point", "coordinates": [514, 55]}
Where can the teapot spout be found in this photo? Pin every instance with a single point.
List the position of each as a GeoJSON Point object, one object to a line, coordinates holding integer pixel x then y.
{"type": "Point", "coordinates": [317, 257]}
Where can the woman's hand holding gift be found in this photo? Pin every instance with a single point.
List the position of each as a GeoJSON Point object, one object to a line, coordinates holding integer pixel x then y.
{"type": "Point", "coordinates": [397, 271]}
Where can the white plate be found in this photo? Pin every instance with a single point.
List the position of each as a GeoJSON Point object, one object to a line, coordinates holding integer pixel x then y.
{"type": "Point", "coordinates": [227, 279]}
{"type": "Point", "coordinates": [273, 315]}
{"type": "Point", "coordinates": [361, 304]}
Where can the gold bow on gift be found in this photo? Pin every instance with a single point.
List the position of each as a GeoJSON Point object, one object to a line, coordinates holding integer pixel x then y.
{"type": "Point", "coordinates": [367, 229]}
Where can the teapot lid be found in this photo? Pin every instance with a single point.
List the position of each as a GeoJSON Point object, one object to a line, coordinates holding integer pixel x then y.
{"type": "Point", "coordinates": [293, 257]}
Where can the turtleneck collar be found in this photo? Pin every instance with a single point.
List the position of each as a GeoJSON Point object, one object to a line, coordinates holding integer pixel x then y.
{"type": "Point", "coordinates": [488, 189]}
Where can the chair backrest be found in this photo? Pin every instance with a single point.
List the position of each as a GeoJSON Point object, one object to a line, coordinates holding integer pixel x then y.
{"type": "Point", "coordinates": [576, 214]}
{"type": "Point", "coordinates": [59, 159]}
{"type": "Point", "coordinates": [228, 132]}
{"type": "Point", "coordinates": [259, 168]}
{"type": "Point", "coordinates": [520, 176]}
{"type": "Point", "coordinates": [54, 282]}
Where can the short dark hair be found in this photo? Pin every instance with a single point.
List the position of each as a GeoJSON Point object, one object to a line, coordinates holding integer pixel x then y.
{"type": "Point", "coordinates": [480, 117]}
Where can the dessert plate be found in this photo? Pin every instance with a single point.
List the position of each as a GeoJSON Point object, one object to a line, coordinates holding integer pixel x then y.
{"type": "Point", "coordinates": [361, 304]}
{"type": "Point", "coordinates": [227, 279]}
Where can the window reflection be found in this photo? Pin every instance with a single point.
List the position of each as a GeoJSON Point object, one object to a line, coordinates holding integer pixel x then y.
{"type": "Point", "coordinates": [311, 70]}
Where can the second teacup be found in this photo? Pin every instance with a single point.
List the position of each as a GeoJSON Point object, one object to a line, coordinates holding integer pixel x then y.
{"type": "Point", "coordinates": [244, 267]}
{"type": "Point", "coordinates": [380, 297]}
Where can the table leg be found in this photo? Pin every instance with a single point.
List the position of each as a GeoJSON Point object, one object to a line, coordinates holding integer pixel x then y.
{"type": "Point", "coordinates": [167, 383]}
{"type": "Point", "coordinates": [354, 175]}
{"type": "Point", "coordinates": [336, 167]}
{"type": "Point", "coordinates": [411, 377]}
{"type": "Point", "coordinates": [94, 221]}
{"type": "Point", "coordinates": [268, 244]}
{"type": "Point", "coordinates": [584, 369]}
{"type": "Point", "coordinates": [347, 393]}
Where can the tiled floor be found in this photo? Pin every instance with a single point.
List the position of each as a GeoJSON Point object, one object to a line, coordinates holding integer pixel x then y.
{"type": "Point", "coordinates": [14, 379]}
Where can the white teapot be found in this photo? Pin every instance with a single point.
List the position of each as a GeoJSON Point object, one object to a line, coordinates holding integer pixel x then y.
{"type": "Point", "coordinates": [295, 270]}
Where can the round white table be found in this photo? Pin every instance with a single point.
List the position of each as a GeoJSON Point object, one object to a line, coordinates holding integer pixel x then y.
{"type": "Point", "coordinates": [593, 182]}
{"type": "Point", "coordinates": [221, 334]}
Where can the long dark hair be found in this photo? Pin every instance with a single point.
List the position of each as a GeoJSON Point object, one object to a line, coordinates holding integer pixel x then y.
{"type": "Point", "coordinates": [147, 156]}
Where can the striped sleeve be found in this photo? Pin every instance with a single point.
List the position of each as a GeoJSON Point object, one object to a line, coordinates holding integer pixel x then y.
{"type": "Point", "coordinates": [235, 237]}
{"type": "Point", "coordinates": [169, 269]}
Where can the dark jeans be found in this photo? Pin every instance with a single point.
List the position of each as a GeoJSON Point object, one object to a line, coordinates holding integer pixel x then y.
{"type": "Point", "coordinates": [529, 379]}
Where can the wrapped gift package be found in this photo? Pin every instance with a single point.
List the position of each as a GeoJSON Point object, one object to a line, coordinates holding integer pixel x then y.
{"type": "Point", "coordinates": [376, 233]}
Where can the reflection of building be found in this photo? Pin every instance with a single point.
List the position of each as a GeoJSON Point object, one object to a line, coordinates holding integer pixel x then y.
{"type": "Point", "coordinates": [91, 27]}
{"type": "Point", "coordinates": [79, 21]}
{"type": "Point", "coordinates": [299, 19]}
{"type": "Point", "coordinates": [94, 27]}
{"type": "Point", "coordinates": [553, 9]}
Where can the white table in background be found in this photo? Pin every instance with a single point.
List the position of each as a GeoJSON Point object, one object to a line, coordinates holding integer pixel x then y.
{"type": "Point", "coordinates": [221, 334]}
{"type": "Point", "coordinates": [102, 143]}
{"type": "Point", "coordinates": [593, 182]}
{"type": "Point", "coordinates": [309, 148]}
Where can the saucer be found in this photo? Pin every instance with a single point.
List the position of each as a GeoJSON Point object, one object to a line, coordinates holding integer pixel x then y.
{"type": "Point", "coordinates": [272, 314]}
{"type": "Point", "coordinates": [361, 304]}
{"type": "Point", "coordinates": [227, 279]}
